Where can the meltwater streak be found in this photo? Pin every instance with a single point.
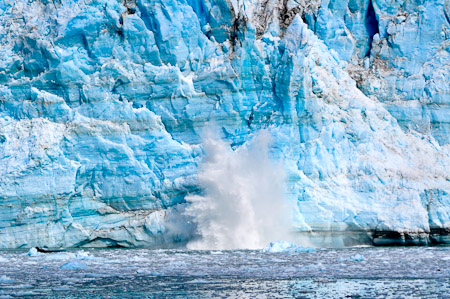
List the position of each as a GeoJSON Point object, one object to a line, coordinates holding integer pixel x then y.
{"type": "Point", "coordinates": [243, 206]}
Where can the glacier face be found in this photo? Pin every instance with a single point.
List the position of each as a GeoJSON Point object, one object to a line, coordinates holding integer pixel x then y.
{"type": "Point", "coordinates": [103, 104]}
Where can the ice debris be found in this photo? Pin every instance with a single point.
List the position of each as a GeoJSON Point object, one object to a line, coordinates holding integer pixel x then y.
{"type": "Point", "coordinates": [62, 255]}
{"type": "Point", "coordinates": [285, 246]}
{"type": "Point", "coordinates": [6, 279]}
{"type": "Point", "coordinates": [73, 265]}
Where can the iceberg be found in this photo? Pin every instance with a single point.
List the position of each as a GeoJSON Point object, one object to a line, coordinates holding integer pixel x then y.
{"type": "Point", "coordinates": [104, 105]}
{"type": "Point", "coordinates": [357, 258]}
{"type": "Point", "coordinates": [73, 265]}
{"type": "Point", "coordinates": [34, 252]}
{"type": "Point", "coordinates": [285, 246]}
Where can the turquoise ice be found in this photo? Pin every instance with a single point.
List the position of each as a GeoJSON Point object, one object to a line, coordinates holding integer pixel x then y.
{"type": "Point", "coordinates": [103, 105]}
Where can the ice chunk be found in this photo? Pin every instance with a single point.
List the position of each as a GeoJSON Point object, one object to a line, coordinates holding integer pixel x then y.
{"type": "Point", "coordinates": [73, 265]}
{"type": "Point", "coordinates": [357, 258]}
{"type": "Point", "coordinates": [34, 252]}
{"type": "Point", "coordinates": [6, 279]}
{"type": "Point", "coordinates": [285, 246]}
{"type": "Point", "coordinates": [354, 258]}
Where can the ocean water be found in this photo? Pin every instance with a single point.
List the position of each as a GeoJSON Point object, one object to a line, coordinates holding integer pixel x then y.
{"type": "Point", "coordinates": [397, 272]}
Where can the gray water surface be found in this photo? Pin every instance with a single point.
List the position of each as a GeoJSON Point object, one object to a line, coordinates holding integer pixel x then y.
{"type": "Point", "coordinates": [397, 272]}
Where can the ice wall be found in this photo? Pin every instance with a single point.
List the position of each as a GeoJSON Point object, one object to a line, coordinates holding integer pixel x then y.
{"type": "Point", "coordinates": [103, 104]}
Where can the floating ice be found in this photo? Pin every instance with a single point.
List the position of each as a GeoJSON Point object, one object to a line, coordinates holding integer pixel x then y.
{"type": "Point", "coordinates": [357, 258]}
{"type": "Point", "coordinates": [285, 246]}
{"type": "Point", "coordinates": [34, 252]}
{"type": "Point", "coordinates": [6, 279]}
{"type": "Point", "coordinates": [73, 265]}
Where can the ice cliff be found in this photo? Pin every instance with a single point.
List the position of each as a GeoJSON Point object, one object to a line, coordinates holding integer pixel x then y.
{"type": "Point", "coordinates": [103, 104]}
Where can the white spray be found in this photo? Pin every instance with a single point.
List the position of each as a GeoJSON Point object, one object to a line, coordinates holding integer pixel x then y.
{"type": "Point", "coordinates": [243, 205]}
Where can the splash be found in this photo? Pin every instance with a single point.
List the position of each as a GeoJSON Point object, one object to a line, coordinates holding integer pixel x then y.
{"type": "Point", "coordinates": [243, 205]}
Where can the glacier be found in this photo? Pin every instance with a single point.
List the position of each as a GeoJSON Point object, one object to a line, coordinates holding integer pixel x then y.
{"type": "Point", "coordinates": [104, 103]}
